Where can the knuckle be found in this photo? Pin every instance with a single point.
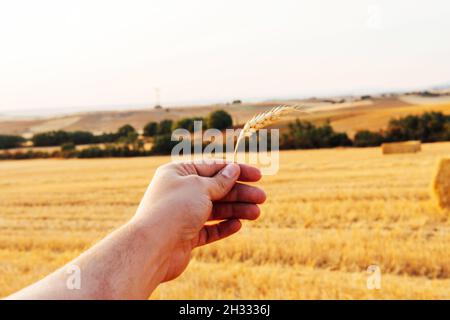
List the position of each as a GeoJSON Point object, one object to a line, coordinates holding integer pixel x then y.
{"type": "Point", "coordinates": [222, 184]}
{"type": "Point", "coordinates": [195, 180]}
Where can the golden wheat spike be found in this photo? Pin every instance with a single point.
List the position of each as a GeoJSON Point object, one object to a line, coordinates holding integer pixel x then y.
{"type": "Point", "coordinates": [263, 120]}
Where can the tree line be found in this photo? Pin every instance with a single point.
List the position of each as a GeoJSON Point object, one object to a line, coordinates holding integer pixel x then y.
{"type": "Point", "coordinates": [428, 127]}
{"type": "Point", "coordinates": [60, 137]}
{"type": "Point", "coordinates": [10, 141]}
{"type": "Point", "coordinates": [125, 142]}
{"type": "Point", "coordinates": [219, 119]}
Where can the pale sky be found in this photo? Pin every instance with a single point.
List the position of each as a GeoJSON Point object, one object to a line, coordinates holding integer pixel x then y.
{"type": "Point", "coordinates": [57, 54]}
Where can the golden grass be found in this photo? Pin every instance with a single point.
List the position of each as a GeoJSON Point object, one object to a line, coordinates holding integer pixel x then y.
{"type": "Point", "coordinates": [329, 215]}
{"type": "Point", "coordinates": [401, 147]}
{"type": "Point", "coordinates": [441, 184]}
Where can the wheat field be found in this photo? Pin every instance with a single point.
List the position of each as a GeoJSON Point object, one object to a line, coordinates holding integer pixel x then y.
{"type": "Point", "coordinates": [329, 215]}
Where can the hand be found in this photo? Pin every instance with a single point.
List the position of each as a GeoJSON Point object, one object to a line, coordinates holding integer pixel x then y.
{"type": "Point", "coordinates": [156, 244]}
{"type": "Point", "coordinates": [182, 197]}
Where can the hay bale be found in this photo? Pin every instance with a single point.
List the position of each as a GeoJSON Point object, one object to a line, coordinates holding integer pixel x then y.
{"type": "Point", "coordinates": [401, 147]}
{"type": "Point", "coordinates": [441, 184]}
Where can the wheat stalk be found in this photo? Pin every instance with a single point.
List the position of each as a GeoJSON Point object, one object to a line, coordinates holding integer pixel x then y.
{"type": "Point", "coordinates": [263, 120]}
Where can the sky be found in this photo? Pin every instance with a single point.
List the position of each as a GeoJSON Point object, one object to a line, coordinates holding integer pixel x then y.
{"type": "Point", "coordinates": [63, 54]}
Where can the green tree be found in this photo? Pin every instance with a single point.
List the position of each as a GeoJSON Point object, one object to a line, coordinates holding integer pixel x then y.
{"type": "Point", "coordinates": [367, 138]}
{"type": "Point", "coordinates": [220, 119]}
{"type": "Point", "coordinates": [305, 135]}
{"type": "Point", "coordinates": [51, 138]}
{"type": "Point", "coordinates": [163, 144]}
{"type": "Point", "coordinates": [151, 129]}
{"type": "Point", "coordinates": [106, 138]}
{"type": "Point", "coordinates": [125, 130]}
{"type": "Point", "coordinates": [428, 127]}
{"type": "Point", "coordinates": [188, 123]}
{"type": "Point", "coordinates": [68, 146]}
{"type": "Point", "coordinates": [81, 137]}
{"type": "Point", "coordinates": [132, 140]}
{"type": "Point", "coordinates": [57, 138]}
{"type": "Point", "coordinates": [165, 127]}
{"type": "Point", "coordinates": [10, 141]}
{"type": "Point", "coordinates": [92, 152]}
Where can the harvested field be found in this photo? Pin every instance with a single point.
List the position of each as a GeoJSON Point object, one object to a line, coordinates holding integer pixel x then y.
{"type": "Point", "coordinates": [329, 215]}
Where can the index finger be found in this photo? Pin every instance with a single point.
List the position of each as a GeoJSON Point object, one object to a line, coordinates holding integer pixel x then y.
{"type": "Point", "coordinates": [210, 168]}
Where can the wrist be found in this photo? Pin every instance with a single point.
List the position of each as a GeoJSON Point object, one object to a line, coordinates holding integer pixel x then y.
{"type": "Point", "coordinates": [153, 221]}
{"type": "Point", "coordinates": [155, 247]}
{"type": "Point", "coordinates": [153, 233]}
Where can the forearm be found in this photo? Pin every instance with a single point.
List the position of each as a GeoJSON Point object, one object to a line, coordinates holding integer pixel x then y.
{"type": "Point", "coordinates": [156, 245]}
{"type": "Point", "coordinates": [128, 264]}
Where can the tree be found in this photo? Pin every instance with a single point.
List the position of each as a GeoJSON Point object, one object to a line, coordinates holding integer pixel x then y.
{"type": "Point", "coordinates": [188, 123]}
{"type": "Point", "coordinates": [132, 140]}
{"type": "Point", "coordinates": [106, 138]}
{"type": "Point", "coordinates": [220, 119]}
{"type": "Point", "coordinates": [165, 127]}
{"type": "Point", "coordinates": [340, 139]}
{"type": "Point", "coordinates": [81, 137]}
{"type": "Point", "coordinates": [367, 138]}
{"type": "Point", "coordinates": [185, 123]}
{"type": "Point", "coordinates": [92, 152]}
{"type": "Point", "coordinates": [68, 146]}
{"type": "Point", "coordinates": [429, 127]}
{"type": "Point", "coordinates": [57, 138]}
{"type": "Point", "coordinates": [125, 130]}
{"type": "Point", "coordinates": [10, 141]}
{"type": "Point", "coordinates": [305, 135]}
{"type": "Point", "coordinates": [51, 138]}
{"type": "Point", "coordinates": [163, 144]}
{"type": "Point", "coordinates": [151, 129]}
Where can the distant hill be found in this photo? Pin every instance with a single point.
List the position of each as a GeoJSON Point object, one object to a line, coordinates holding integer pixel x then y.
{"type": "Point", "coordinates": [350, 115]}
{"type": "Point", "coordinates": [108, 121]}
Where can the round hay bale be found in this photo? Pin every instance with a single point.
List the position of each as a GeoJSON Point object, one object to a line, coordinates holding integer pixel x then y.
{"type": "Point", "coordinates": [441, 184]}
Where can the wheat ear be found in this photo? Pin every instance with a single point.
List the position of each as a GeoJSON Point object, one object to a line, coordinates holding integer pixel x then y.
{"type": "Point", "coordinates": [263, 120]}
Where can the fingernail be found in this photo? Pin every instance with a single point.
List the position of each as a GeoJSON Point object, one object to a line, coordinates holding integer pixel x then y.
{"type": "Point", "coordinates": [230, 171]}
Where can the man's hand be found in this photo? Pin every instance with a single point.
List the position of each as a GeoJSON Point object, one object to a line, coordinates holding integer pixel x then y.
{"type": "Point", "coordinates": [156, 244]}
{"type": "Point", "coordinates": [183, 197]}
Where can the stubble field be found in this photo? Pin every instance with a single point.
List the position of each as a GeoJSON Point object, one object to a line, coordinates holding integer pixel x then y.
{"type": "Point", "coordinates": [329, 215]}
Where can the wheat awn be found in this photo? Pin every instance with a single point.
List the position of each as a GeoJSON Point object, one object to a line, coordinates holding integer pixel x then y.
{"type": "Point", "coordinates": [263, 120]}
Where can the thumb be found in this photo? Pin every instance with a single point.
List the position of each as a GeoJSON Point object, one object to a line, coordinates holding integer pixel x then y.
{"type": "Point", "coordinates": [223, 181]}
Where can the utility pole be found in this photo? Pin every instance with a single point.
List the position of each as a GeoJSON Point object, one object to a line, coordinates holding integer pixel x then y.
{"type": "Point", "coordinates": [157, 98]}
